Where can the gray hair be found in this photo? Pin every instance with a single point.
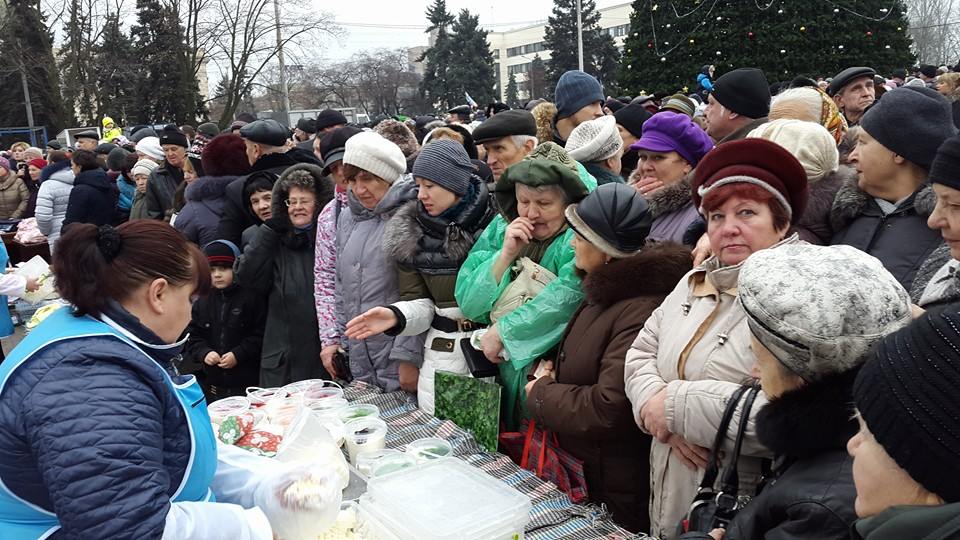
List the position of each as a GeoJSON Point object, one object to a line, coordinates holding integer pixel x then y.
{"type": "Point", "coordinates": [520, 140]}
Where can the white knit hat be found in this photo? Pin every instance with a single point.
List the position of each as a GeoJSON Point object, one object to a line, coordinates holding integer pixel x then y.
{"type": "Point", "coordinates": [144, 166]}
{"type": "Point", "coordinates": [594, 140]}
{"type": "Point", "coordinates": [151, 147]}
{"type": "Point", "coordinates": [376, 155]}
{"type": "Point", "coordinates": [809, 142]}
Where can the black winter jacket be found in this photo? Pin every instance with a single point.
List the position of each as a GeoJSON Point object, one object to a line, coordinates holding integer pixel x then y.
{"type": "Point", "coordinates": [811, 493]}
{"type": "Point", "coordinates": [901, 240]}
{"type": "Point", "coordinates": [237, 215]}
{"type": "Point", "coordinates": [92, 200]}
{"type": "Point", "coordinates": [228, 320]}
{"type": "Point", "coordinates": [161, 186]}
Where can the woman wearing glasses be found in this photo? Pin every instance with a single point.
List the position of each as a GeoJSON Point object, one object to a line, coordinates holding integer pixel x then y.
{"type": "Point", "coordinates": [278, 263]}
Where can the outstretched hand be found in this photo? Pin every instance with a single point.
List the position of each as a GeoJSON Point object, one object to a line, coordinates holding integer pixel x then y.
{"type": "Point", "coordinates": [375, 321]}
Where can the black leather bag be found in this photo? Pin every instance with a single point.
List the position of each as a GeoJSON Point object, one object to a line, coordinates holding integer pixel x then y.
{"type": "Point", "coordinates": [710, 508]}
{"type": "Point", "coordinates": [477, 362]}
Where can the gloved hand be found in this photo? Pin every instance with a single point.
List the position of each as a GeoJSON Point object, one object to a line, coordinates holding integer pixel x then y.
{"type": "Point", "coordinates": [300, 501]}
{"type": "Point", "coordinates": [278, 224]}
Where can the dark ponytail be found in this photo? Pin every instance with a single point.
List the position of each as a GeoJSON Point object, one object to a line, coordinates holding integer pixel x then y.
{"type": "Point", "coordinates": [93, 264]}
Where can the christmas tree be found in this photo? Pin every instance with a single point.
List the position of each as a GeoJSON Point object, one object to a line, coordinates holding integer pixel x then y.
{"type": "Point", "coordinates": [670, 41]}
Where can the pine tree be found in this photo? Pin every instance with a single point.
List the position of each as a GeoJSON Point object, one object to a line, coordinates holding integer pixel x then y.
{"type": "Point", "coordinates": [513, 100]}
{"type": "Point", "coordinates": [435, 84]}
{"type": "Point", "coordinates": [537, 78]}
{"type": "Point", "coordinates": [471, 64]}
{"type": "Point", "coordinates": [166, 86]}
{"type": "Point", "coordinates": [27, 48]}
{"type": "Point", "coordinates": [115, 73]}
{"type": "Point", "coordinates": [600, 54]}
{"type": "Point", "coordinates": [668, 44]}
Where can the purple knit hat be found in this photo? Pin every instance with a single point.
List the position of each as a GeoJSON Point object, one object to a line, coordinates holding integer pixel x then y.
{"type": "Point", "coordinates": [673, 132]}
{"type": "Point", "coordinates": [5, 164]}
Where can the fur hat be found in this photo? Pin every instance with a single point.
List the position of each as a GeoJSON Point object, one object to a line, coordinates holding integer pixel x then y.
{"type": "Point", "coordinates": [594, 140]}
{"type": "Point", "coordinates": [225, 155]}
{"type": "Point", "coordinates": [399, 134]}
{"type": "Point", "coordinates": [810, 143]}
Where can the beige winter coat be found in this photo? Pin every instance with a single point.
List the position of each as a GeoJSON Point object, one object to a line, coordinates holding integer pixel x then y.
{"type": "Point", "coordinates": [697, 345]}
{"type": "Point", "coordinates": [14, 197]}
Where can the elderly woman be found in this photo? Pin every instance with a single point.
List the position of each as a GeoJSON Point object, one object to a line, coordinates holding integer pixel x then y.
{"type": "Point", "coordinates": [278, 264]}
{"type": "Point", "coordinates": [694, 351]}
{"type": "Point", "coordinates": [669, 149]}
{"type": "Point", "coordinates": [14, 194]}
{"type": "Point", "coordinates": [810, 105]}
{"type": "Point", "coordinates": [530, 233]}
{"type": "Point", "coordinates": [905, 462]}
{"type": "Point", "coordinates": [428, 239]}
{"type": "Point", "coordinates": [375, 170]}
{"type": "Point", "coordinates": [583, 400]}
{"type": "Point", "coordinates": [938, 282]}
{"type": "Point", "coordinates": [807, 363]}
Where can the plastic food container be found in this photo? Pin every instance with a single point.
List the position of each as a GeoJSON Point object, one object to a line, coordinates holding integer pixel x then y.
{"type": "Point", "coordinates": [391, 464]}
{"type": "Point", "coordinates": [225, 407]}
{"type": "Point", "coordinates": [300, 387]}
{"type": "Point", "coordinates": [444, 499]}
{"type": "Point", "coordinates": [360, 410]}
{"type": "Point", "coordinates": [329, 406]}
{"type": "Point", "coordinates": [260, 396]}
{"type": "Point", "coordinates": [429, 448]}
{"type": "Point", "coordinates": [317, 393]}
{"type": "Point", "coordinates": [367, 460]}
{"type": "Point", "coordinates": [364, 435]}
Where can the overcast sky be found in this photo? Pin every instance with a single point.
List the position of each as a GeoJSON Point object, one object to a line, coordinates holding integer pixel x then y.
{"type": "Point", "coordinates": [371, 24]}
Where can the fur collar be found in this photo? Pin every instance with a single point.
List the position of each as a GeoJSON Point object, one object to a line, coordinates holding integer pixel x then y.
{"type": "Point", "coordinates": [670, 198]}
{"type": "Point", "coordinates": [812, 419]}
{"type": "Point", "coordinates": [851, 201]}
{"type": "Point", "coordinates": [654, 271]}
{"type": "Point", "coordinates": [208, 187]}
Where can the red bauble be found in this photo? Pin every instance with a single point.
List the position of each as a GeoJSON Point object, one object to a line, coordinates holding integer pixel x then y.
{"type": "Point", "coordinates": [649, 45]}
{"type": "Point", "coordinates": [869, 34]}
{"type": "Point", "coordinates": [750, 35]}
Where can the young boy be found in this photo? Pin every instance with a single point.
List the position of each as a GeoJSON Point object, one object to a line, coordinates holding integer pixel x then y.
{"type": "Point", "coordinates": [226, 332]}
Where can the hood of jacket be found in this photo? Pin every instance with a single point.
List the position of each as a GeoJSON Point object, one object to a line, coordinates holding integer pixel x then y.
{"type": "Point", "coordinates": [670, 198]}
{"type": "Point", "coordinates": [811, 419]}
{"type": "Point", "coordinates": [96, 178]}
{"type": "Point", "coordinates": [851, 201]}
{"type": "Point", "coordinates": [301, 172]}
{"type": "Point", "coordinates": [208, 187]}
{"type": "Point", "coordinates": [401, 191]}
{"type": "Point", "coordinates": [656, 270]}
{"type": "Point", "coordinates": [273, 161]}
{"type": "Point", "coordinates": [47, 172]}
{"type": "Point", "coordinates": [407, 230]}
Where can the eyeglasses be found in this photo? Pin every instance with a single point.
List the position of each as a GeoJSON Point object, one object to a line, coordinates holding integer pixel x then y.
{"type": "Point", "coordinates": [298, 202]}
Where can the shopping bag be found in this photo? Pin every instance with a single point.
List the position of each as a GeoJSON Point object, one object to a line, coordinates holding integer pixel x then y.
{"type": "Point", "coordinates": [470, 403]}
{"type": "Point", "coordinates": [538, 451]}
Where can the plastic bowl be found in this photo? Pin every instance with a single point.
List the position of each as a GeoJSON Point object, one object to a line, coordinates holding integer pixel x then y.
{"type": "Point", "coordinates": [366, 461]}
{"type": "Point", "coordinates": [429, 448]}
{"type": "Point", "coordinates": [391, 464]}
{"type": "Point", "coordinates": [300, 387]}
{"type": "Point", "coordinates": [260, 396]}
{"type": "Point", "coordinates": [225, 407]}
{"type": "Point", "coordinates": [359, 410]}
{"type": "Point", "coordinates": [317, 393]}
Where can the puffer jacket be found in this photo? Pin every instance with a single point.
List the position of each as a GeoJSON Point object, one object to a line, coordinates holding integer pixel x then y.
{"type": "Point", "coordinates": [14, 197]}
{"type": "Point", "coordinates": [92, 200]}
{"type": "Point", "coordinates": [94, 433]}
{"type": "Point", "coordinates": [55, 187]}
{"type": "Point", "coordinates": [428, 252]}
{"type": "Point", "coordinates": [278, 265]}
{"type": "Point", "coordinates": [161, 186]}
{"type": "Point", "coordinates": [200, 216]}
{"type": "Point", "coordinates": [367, 279]}
{"type": "Point", "coordinates": [585, 403]}
{"type": "Point", "coordinates": [901, 240]}
{"type": "Point", "coordinates": [696, 345]}
{"type": "Point", "coordinates": [814, 226]}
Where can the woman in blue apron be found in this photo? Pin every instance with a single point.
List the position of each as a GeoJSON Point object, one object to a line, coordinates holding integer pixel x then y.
{"type": "Point", "coordinates": [100, 437]}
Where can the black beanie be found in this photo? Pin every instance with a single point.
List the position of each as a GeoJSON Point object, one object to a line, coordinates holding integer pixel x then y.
{"type": "Point", "coordinates": [632, 118]}
{"type": "Point", "coordinates": [912, 121]}
{"type": "Point", "coordinates": [744, 91]}
{"type": "Point", "coordinates": [907, 395]}
{"type": "Point", "coordinates": [221, 253]}
{"type": "Point", "coordinates": [172, 135]}
{"type": "Point", "coordinates": [946, 164]}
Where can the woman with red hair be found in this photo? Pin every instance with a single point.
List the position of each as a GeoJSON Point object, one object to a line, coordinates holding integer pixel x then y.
{"type": "Point", "coordinates": [694, 351]}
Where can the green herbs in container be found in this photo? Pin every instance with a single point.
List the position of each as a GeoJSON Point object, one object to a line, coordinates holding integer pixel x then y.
{"type": "Point", "coordinates": [429, 448]}
{"type": "Point", "coordinates": [359, 410]}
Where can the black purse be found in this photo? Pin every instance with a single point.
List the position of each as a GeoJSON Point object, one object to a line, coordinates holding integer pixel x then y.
{"type": "Point", "coordinates": [710, 508]}
{"type": "Point", "coordinates": [477, 362]}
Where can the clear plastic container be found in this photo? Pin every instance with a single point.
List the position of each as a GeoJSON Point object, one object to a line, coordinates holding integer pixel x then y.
{"type": "Point", "coordinates": [360, 410]}
{"type": "Point", "coordinates": [260, 396]}
{"type": "Point", "coordinates": [446, 499]}
{"type": "Point", "coordinates": [231, 406]}
{"type": "Point", "coordinates": [429, 448]}
{"type": "Point", "coordinates": [318, 393]}
{"type": "Point", "coordinates": [364, 435]}
{"type": "Point", "coordinates": [391, 464]}
{"type": "Point", "coordinates": [300, 387]}
{"type": "Point", "coordinates": [367, 460]}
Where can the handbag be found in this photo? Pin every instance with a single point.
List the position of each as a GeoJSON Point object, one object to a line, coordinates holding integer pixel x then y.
{"type": "Point", "coordinates": [713, 509]}
{"type": "Point", "coordinates": [477, 362]}
{"type": "Point", "coordinates": [552, 464]}
{"type": "Point", "coordinates": [530, 278]}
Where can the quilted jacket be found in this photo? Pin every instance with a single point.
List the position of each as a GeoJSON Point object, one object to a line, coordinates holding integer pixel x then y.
{"type": "Point", "coordinates": [94, 434]}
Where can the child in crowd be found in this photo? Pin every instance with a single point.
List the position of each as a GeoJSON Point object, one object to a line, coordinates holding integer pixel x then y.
{"type": "Point", "coordinates": [226, 332]}
{"type": "Point", "coordinates": [259, 193]}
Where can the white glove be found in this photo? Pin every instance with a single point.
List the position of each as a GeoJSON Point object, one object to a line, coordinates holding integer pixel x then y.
{"type": "Point", "coordinates": [300, 501]}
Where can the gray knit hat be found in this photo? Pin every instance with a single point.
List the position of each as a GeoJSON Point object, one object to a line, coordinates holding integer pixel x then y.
{"type": "Point", "coordinates": [374, 154]}
{"type": "Point", "coordinates": [911, 122]}
{"type": "Point", "coordinates": [445, 163]}
{"type": "Point", "coordinates": [819, 309]}
{"type": "Point", "coordinates": [594, 140]}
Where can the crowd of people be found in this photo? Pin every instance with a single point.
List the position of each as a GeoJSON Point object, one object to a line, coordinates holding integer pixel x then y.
{"type": "Point", "coordinates": [630, 267]}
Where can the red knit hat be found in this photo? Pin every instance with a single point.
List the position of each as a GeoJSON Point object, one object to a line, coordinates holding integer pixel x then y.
{"type": "Point", "coordinates": [756, 161]}
{"type": "Point", "coordinates": [38, 163]}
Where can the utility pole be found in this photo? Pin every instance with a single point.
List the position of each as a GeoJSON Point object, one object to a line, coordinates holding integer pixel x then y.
{"type": "Point", "coordinates": [579, 38]}
{"type": "Point", "coordinates": [283, 69]}
{"type": "Point", "coordinates": [26, 100]}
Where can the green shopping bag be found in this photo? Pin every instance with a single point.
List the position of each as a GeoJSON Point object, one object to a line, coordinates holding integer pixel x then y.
{"type": "Point", "coordinates": [470, 403]}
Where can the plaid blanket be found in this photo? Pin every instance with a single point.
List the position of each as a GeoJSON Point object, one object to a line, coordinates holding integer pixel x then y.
{"type": "Point", "coordinates": [553, 516]}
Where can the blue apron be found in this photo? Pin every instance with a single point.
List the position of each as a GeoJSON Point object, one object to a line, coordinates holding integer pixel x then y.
{"type": "Point", "coordinates": [6, 324]}
{"type": "Point", "coordinates": [20, 519]}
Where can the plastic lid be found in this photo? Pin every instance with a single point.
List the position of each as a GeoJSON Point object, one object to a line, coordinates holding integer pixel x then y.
{"type": "Point", "coordinates": [447, 499]}
{"type": "Point", "coordinates": [228, 407]}
{"type": "Point", "coordinates": [391, 464]}
{"type": "Point", "coordinates": [359, 410]}
{"type": "Point", "coordinates": [429, 448]}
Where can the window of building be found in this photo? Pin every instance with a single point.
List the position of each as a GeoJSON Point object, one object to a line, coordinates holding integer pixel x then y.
{"type": "Point", "coordinates": [619, 31]}
{"type": "Point", "coordinates": [530, 48]}
{"type": "Point", "coordinates": [496, 54]}
{"type": "Point", "coordinates": [519, 68]}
